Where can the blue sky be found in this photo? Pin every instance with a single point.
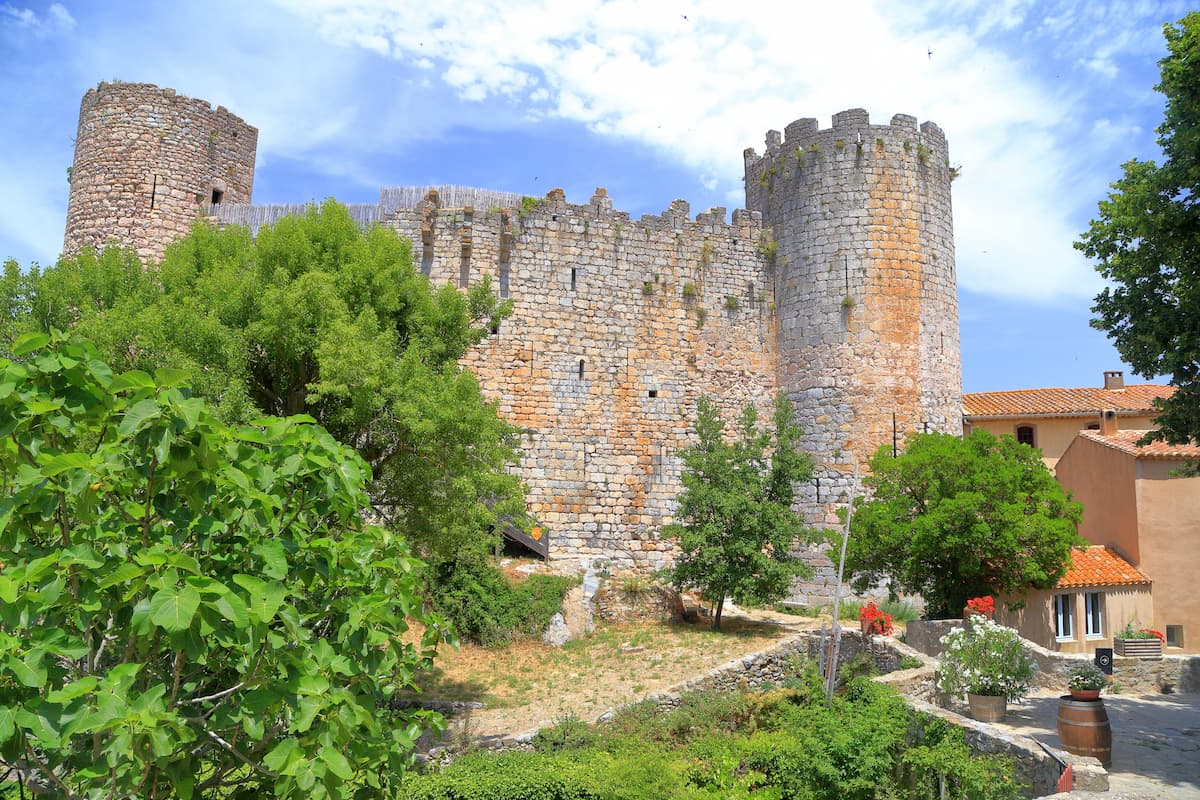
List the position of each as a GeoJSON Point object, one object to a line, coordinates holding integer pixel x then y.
{"type": "Point", "coordinates": [1041, 103]}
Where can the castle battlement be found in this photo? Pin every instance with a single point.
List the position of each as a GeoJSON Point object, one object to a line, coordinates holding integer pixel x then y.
{"type": "Point", "coordinates": [835, 285]}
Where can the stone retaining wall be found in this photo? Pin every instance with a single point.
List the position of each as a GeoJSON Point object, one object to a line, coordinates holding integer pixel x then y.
{"type": "Point", "coordinates": [1166, 675]}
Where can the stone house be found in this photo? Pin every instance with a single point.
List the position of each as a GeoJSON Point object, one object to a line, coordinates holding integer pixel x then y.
{"type": "Point", "coordinates": [1048, 419]}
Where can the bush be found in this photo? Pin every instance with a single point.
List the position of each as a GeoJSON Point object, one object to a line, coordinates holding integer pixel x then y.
{"type": "Point", "coordinates": [484, 607]}
{"type": "Point", "coordinates": [188, 607]}
{"type": "Point", "coordinates": [985, 658]}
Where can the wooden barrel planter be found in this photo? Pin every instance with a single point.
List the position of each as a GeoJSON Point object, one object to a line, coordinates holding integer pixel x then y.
{"type": "Point", "coordinates": [1083, 728]}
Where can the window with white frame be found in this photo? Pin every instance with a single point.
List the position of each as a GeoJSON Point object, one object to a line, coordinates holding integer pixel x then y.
{"type": "Point", "coordinates": [1093, 615]}
{"type": "Point", "coordinates": [1063, 611]}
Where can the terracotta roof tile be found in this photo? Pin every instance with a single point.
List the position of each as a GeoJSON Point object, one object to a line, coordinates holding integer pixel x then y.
{"type": "Point", "coordinates": [1064, 402]}
{"type": "Point", "coordinates": [1126, 441]}
{"type": "Point", "coordinates": [1099, 566]}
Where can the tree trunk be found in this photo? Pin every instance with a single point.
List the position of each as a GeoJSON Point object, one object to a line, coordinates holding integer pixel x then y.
{"type": "Point", "coordinates": [716, 626]}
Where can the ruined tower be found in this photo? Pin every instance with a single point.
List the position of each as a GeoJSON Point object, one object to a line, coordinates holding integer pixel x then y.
{"type": "Point", "coordinates": [865, 289]}
{"type": "Point", "coordinates": [148, 162]}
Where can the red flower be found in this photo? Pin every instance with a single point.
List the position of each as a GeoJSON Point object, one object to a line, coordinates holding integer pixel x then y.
{"type": "Point", "coordinates": [982, 605]}
{"type": "Point", "coordinates": [1157, 634]}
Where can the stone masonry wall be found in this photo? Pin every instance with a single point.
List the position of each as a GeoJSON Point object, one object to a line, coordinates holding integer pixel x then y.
{"type": "Point", "coordinates": [618, 327]}
{"type": "Point", "coordinates": [837, 288]}
{"type": "Point", "coordinates": [865, 286]}
{"type": "Point", "coordinates": [147, 163]}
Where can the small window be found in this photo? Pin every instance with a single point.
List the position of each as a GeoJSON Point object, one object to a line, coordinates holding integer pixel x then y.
{"type": "Point", "coordinates": [217, 194]}
{"type": "Point", "coordinates": [580, 369]}
{"type": "Point", "coordinates": [1093, 612]}
{"type": "Point", "coordinates": [1025, 435]}
{"type": "Point", "coordinates": [1093, 426]}
{"type": "Point", "coordinates": [572, 279]}
{"type": "Point", "coordinates": [1174, 636]}
{"type": "Point", "coordinates": [652, 393]}
{"type": "Point", "coordinates": [1063, 611]}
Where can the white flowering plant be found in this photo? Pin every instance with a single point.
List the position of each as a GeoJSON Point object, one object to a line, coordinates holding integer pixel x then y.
{"type": "Point", "coordinates": [986, 658]}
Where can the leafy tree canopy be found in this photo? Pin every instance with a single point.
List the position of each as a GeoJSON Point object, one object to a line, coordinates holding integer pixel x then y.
{"type": "Point", "coordinates": [188, 608]}
{"type": "Point", "coordinates": [736, 527]}
{"type": "Point", "coordinates": [313, 316]}
{"type": "Point", "coordinates": [954, 518]}
{"type": "Point", "coordinates": [1146, 240]}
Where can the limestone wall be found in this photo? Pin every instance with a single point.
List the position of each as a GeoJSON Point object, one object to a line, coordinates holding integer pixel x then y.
{"type": "Point", "coordinates": [148, 162]}
{"type": "Point", "coordinates": [865, 285]}
{"type": "Point", "coordinates": [618, 327]}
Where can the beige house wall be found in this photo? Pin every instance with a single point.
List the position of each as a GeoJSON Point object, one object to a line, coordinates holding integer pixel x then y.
{"type": "Point", "coordinates": [1102, 478]}
{"type": "Point", "coordinates": [1053, 435]}
{"type": "Point", "coordinates": [1169, 529]}
{"type": "Point", "coordinates": [1035, 619]}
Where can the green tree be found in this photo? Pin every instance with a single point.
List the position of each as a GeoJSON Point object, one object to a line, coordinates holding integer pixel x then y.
{"type": "Point", "coordinates": [1146, 240]}
{"type": "Point", "coordinates": [188, 608]}
{"type": "Point", "coordinates": [736, 526]}
{"type": "Point", "coordinates": [954, 518]}
{"type": "Point", "coordinates": [313, 316]}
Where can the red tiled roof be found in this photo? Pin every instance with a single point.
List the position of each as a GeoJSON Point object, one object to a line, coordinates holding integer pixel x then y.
{"type": "Point", "coordinates": [1099, 566]}
{"type": "Point", "coordinates": [1064, 402]}
{"type": "Point", "coordinates": [1126, 441]}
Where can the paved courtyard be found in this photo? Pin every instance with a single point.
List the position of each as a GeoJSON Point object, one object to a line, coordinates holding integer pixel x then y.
{"type": "Point", "coordinates": [1156, 741]}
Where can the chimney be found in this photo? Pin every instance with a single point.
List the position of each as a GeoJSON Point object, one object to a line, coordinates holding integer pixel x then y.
{"type": "Point", "coordinates": [1108, 421]}
{"type": "Point", "coordinates": [1114, 379]}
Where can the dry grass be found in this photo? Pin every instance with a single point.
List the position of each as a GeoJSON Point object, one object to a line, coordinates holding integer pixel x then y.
{"type": "Point", "coordinates": [530, 684]}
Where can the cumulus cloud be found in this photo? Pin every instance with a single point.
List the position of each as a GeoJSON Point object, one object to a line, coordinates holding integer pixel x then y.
{"type": "Point", "coordinates": [701, 80]}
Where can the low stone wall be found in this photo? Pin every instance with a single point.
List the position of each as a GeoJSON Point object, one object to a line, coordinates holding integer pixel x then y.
{"type": "Point", "coordinates": [1167, 675]}
{"type": "Point", "coordinates": [1036, 767]}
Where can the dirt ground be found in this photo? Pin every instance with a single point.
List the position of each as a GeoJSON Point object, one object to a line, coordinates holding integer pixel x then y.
{"type": "Point", "coordinates": [529, 684]}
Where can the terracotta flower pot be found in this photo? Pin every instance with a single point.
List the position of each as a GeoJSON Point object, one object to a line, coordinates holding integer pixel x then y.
{"type": "Point", "coordinates": [986, 707]}
{"type": "Point", "coordinates": [1085, 694]}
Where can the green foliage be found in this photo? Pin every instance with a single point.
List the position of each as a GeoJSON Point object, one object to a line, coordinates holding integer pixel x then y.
{"type": "Point", "coordinates": [731, 303]}
{"type": "Point", "coordinates": [567, 733]}
{"type": "Point", "coordinates": [689, 291]}
{"type": "Point", "coordinates": [861, 666]}
{"type": "Point", "coordinates": [1146, 241]}
{"type": "Point", "coordinates": [485, 607]}
{"type": "Point", "coordinates": [188, 607]}
{"type": "Point", "coordinates": [954, 518]}
{"type": "Point", "coordinates": [985, 658]}
{"type": "Point", "coordinates": [736, 525]}
{"type": "Point", "coordinates": [1086, 675]}
{"type": "Point", "coordinates": [314, 316]}
{"type": "Point", "coordinates": [529, 205]}
{"type": "Point", "coordinates": [777, 744]}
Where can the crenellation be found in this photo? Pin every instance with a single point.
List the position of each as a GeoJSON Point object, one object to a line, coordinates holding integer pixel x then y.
{"type": "Point", "coordinates": [835, 285]}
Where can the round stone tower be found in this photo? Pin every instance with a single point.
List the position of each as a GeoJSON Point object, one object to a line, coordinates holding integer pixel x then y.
{"type": "Point", "coordinates": [864, 284]}
{"type": "Point", "coordinates": [148, 162]}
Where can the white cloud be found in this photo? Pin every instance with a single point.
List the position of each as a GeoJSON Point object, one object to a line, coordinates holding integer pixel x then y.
{"type": "Point", "coordinates": [700, 82]}
{"type": "Point", "coordinates": [56, 19]}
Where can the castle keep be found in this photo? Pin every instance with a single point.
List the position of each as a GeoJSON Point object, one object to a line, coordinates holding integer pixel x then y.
{"type": "Point", "coordinates": [836, 287]}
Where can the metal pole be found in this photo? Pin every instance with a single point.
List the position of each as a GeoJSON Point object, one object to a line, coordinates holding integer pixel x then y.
{"type": "Point", "coordinates": [831, 676]}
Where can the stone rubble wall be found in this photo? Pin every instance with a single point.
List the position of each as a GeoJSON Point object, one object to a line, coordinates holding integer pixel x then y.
{"type": "Point", "coordinates": [147, 161]}
{"type": "Point", "coordinates": [618, 327]}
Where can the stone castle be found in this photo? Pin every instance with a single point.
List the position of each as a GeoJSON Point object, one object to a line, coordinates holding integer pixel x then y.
{"type": "Point", "coordinates": [835, 287]}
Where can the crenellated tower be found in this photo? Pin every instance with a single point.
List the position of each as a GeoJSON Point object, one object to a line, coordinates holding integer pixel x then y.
{"type": "Point", "coordinates": [865, 289]}
{"type": "Point", "coordinates": [148, 162]}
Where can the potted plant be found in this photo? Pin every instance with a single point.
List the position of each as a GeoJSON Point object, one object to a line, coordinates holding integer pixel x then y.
{"type": "Point", "coordinates": [1085, 680]}
{"type": "Point", "coordinates": [980, 606]}
{"type": "Point", "coordinates": [989, 664]}
{"type": "Point", "coordinates": [1138, 642]}
{"type": "Point", "coordinates": [874, 620]}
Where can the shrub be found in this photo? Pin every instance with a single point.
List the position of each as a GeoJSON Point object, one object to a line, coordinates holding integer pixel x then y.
{"type": "Point", "coordinates": [188, 607]}
{"type": "Point", "coordinates": [1086, 675]}
{"type": "Point", "coordinates": [985, 658]}
{"type": "Point", "coordinates": [484, 607]}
